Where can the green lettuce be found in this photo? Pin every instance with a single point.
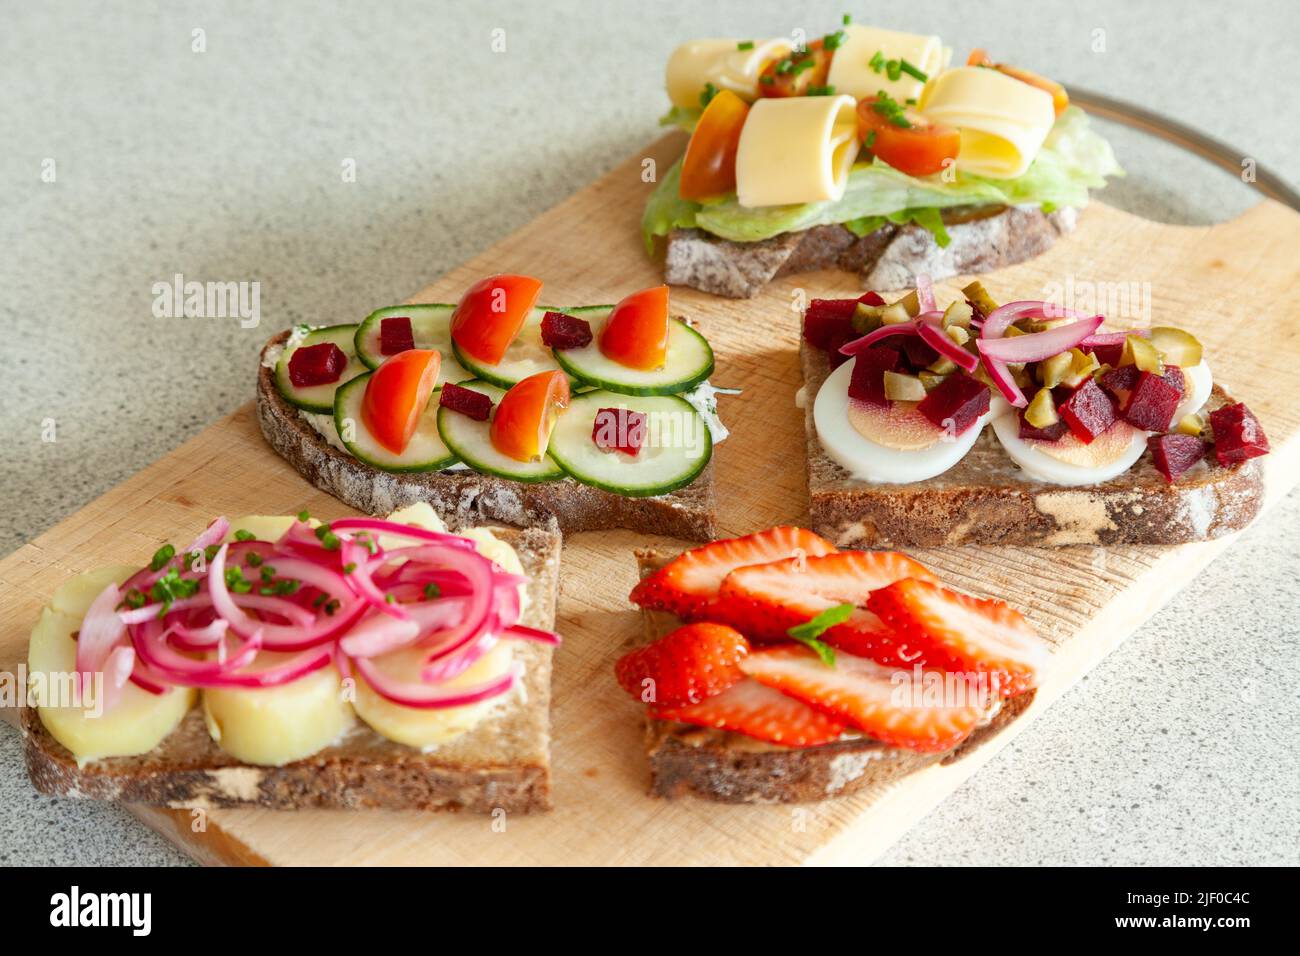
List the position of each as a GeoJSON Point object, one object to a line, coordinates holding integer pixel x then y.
{"type": "Point", "coordinates": [1073, 160]}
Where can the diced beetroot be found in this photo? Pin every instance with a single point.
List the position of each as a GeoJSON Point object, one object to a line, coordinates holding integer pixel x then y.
{"type": "Point", "coordinates": [1174, 454]}
{"type": "Point", "coordinates": [395, 335]}
{"type": "Point", "coordinates": [1152, 403]}
{"type": "Point", "coordinates": [1051, 433]}
{"type": "Point", "coordinates": [560, 331]}
{"type": "Point", "coordinates": [919, 353]}
{"type": "Point", "coordinates": [1238, 434]}
{"type": "Point", "coordinates": [828, 323]}
{"type": "Point", "coordinates": [466, 401]}
{"type": "Point", "coordinates": [1088, 411]}
{"type": "Point", "coordinates": [1107, 354]}
{"type": "Point", "coordinates": [1120, 381]}
{"type": "Point", "coordinates": [958, 400]}
{"type": "Point", "coordinates": [867, 383]}
{"type": "Point", "coordinates": [316, 364]}
{"type": "Point", "coordinates": [1174, 376]}
{"type": "Point", "coordinates": [619, 429]}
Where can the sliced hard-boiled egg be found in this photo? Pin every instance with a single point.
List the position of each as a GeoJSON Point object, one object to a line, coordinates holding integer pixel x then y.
{"type": "Point", "coordinates": [1197, 385]}
{"type": "Point", "coordinates": [895, 445]}
{"type": "Point", "coordinates": [1069, 461]}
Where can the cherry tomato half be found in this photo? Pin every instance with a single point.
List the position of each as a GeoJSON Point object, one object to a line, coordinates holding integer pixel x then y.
{"type": "Point", "coordinates": [396, 396]}
{"type": "Point", "coordinates": [523, 420]}
{"type": "Point", "coordinates": [491, 313]}
{"type": "Point", "coordinates": [792, 75]}
{"type": "Point", "coordinates": [1060, 98]}
{"type": "Point", "coordinates": [636, 332]}
{"type": "Point", "coordinates": [917, 150]}
{"type": "Point", "coordinates": [709, 169]}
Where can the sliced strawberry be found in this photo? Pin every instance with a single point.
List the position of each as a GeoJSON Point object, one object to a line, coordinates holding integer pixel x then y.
{"type": "Point", "coordinates": [756, 711]}
{"type": "Point", "coordinates": [688, 585]}
{"type": "Point", "coordinates": [689, 665]}
{"type": "Point", "coordinates": [768, 599]}
{"type": "Point", "coordinates": [883, 702]}
{"type": "Point", "coordinates": [957, 632]}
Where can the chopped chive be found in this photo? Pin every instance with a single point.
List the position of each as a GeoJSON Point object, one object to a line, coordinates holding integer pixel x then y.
{"type": "Point", "coordinates": [912, 71]}
{"type": "Point", "coordinates": [304, 515]}
{"type": "Point", "coordinates": [767, 79]}
{"type": "Point", "coordinates": [745, 45]}
{"type": "Point", "coordinates": [242, 535]}
{"type": "Point", "coordinates": [432, 590]}
{"type": "Point", "coordinates": [893, 70]}
{"type": "Point", "coordinates": [210, 551]}
{"type": "Point", "coordinates": [846, 20]}
{"type": "Point", "coordinates": [801, 66]}
{"type": "Point", "coordinates": [785, 66]}
{"type": "Point", "coordinates": [821, 91]}
{"type": "Point", "coordinates": [134, 598]}
{"type": "Point", "coordinates": [349, 567]}
{"type": "Point", "coordinates": [833, 41]}
{"type": "Point", "coordinates": [161, 557]}
{"type": "Point", "coordinates": [268, 573]}
{"type": "Point", "coordinates": [254, 559]}
{"type": "Point", "coordinates": [707, 94]}
{"type": "Point", "coordinates": [390, 599]}
{"type": "Point", "coordinates": [320, 599]}
{"type": "Point", "coordinates": [877, 62]}
{"type": "Point", "coordinates": [870, 140]}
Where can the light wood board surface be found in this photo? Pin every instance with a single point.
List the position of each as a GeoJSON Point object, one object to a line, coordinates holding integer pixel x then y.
{"type": "Point", "coordinates": [1231, 284]}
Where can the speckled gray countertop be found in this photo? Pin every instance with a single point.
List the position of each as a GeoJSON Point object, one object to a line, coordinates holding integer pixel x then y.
{"type": "Point", "coordinates": [226, 164]}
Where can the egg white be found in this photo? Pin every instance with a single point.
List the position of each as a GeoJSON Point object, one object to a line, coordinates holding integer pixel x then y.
{"type": "Point", "coordinates": [868, 461]}
{"type": "Point", "coordinates": [1197, 384]}
{"type": "Point", "coordinates": [1043, 467]}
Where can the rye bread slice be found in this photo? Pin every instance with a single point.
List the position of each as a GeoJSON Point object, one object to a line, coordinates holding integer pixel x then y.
{"type": "Point", "coordinates": [986, 499]}
{"type": "Point", "coordinates": [503, 762]}
{"type": "Point", "coordinates": [465, 497]}
{"type": "Point", "coordinates": [887, 259]}
{"type": "Point", "coordinates": [686, 760]}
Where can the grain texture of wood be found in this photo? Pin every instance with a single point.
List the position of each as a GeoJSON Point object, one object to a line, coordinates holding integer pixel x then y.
{"type": "Point", "coordinates": [1231, 284]}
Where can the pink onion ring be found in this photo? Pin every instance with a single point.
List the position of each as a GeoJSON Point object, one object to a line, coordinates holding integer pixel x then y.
{"type": "Point", "coordinates": [425, 697]}
{"type": "Point", "coordinates": [101, 631]}
{"type": "Point", "coordinates": [938, 339]}
{"type": "Point", "coordinates": [925, 292]}
{"type": "Point", "coordinates": [1037, 346]}
{"type": "Point", "coordinates": [871, 338]}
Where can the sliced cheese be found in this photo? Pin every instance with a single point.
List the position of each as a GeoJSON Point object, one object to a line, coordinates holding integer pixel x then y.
{"type": "Point", "coordinates": [796, 150]}
{"type": "Point", "coordinates": [1003, 121]}
{"type": "Point", "coordinates": [697, 63]}
{"type": "Point", "coordinates": [851, 70]}
{"type": "Point", "coordinates": [136, 723]}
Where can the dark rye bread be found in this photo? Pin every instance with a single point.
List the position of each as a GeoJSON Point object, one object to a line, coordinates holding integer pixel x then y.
{"type": "Point", "coordinates": [502, 763]}
{"type": "Point", "coordinates": [986, 499]}
{"type": "Point", "coordinates": [887, 259]}
{"type": "Point", "coordinates": [465, 497]}
{"type": "Point", "coordinates": [686, 760]}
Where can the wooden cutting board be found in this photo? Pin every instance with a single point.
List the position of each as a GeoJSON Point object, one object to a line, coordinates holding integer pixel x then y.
{"type": "Point", "coordinates": [1232, 284]}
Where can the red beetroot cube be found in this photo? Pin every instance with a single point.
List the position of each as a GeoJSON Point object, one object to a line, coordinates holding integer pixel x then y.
{"type": "Point", "coordinates": [1088, 411]}
{"type": "Point", "coordinates": [1120, 381]}
{"type": "Point", "coordinates": [395, 335]}
{"type": "Point", "coordinates": [619, 429]}
{"type": "Point", "coordinates": [919, 353]}
{"type": "Point", "coordinates": [1051, 433]}
{"type": "Point", "coordinates": [1107, 354]}
{"type": "Point", "coordinates": [560, 331]}
{"type": "Point", "coordinates": [466, 401]}
{"type": "Point", "coordinates": [316, 364]}
{"type": "Point", "coordinates": [1238, 434]}
{"type": "Point", "coordinates": [1174, 376]}
{"type": "Point", "coordinates": [867, 383]}
{"type": "Point", "coordinates": [1152, 403]}
{"type": "Point", "coordinates": [1174, 454]}
{"type": "Point", "coordinates": [828, 323]}
{"type": "Point", "coordinates": [955, 403]}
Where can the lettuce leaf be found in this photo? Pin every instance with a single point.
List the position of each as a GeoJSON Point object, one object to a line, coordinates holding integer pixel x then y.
{"type": "Point", "coordinates": [1073, 160]}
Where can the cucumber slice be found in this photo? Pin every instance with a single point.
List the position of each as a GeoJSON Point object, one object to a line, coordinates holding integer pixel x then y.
{"type": "Point", "coordinates": [431, 329]}
{"type": "Point", "coordinates": [425, 452]}
{"type": "Point", "coordinates": [676, 449]}
{"type": "Point", "coordinates": [319, 398]}
{"type": "Point", "coordinates": [469, 439]}
{"type": "Point", "coordinates": [690, 361]}
{"type": "Point", "coordinates": [527, 355]}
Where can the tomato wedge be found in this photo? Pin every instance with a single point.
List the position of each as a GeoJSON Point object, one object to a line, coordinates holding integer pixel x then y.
{"type": "Point", "coordinates": [523, 420]}
{"type": "Point", "coordinates": [396, 396]}
{"type": "Point", "coordinates": [1060, 98]}
{"type": "Point", "coordinates": [709, 169]}
{"type": "Point", "coordinates": [795, 74]}
{"type": "Point", "coordinates": [491, 313]}
{"type": "Point", "coordinates": [918, 150]}
{"type": "Point", "coordinates": [636, 332]}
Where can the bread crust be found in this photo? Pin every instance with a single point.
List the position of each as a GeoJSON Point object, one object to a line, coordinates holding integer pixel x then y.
{"type": "Point", "coordinates": [986, 499]}
{"type": "Point", "coordinates": [686, 760]}
{"type": "Point", "coordinates": [887, 259]}
{"type": "Point", "coordinates": [502, 763]}
{"type": "Point", "coordinates": [466, 497]}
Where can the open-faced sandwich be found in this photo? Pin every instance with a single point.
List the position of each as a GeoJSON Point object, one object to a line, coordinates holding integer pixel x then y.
{"type": "Point", "coordinates": [285, 663]}
{"type": "Point", "coordinates": [496, 408]}
{"type": "Point", "coordinates": [779, 669]}
{"type": "Point", "coordinates": [864, 150]}
{"type": "Point", "coordinates": [1095, 437]}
